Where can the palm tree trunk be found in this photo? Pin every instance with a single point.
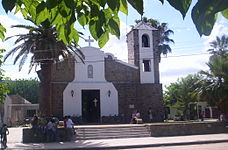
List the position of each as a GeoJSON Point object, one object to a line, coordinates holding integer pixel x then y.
{"type": "Point", "coordinates": [45, 93]}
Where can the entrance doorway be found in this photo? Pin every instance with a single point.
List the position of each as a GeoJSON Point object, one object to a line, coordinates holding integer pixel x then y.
{"type": "Point", "coordinates": [91, 105]}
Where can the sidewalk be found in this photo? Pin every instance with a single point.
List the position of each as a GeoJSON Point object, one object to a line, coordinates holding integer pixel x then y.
{"type": "Point", "coordinates": [15, 137]}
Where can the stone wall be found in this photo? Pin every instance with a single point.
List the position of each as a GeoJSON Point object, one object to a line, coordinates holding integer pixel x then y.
{"type": "Point", "coordinates": [157, 130]}
{"type": "Point", "coordinates": [133, 47]}
{"type": "Point", "coordinates": [157, 56]}
{"type": "Point", "coordinates": [131, 94]}
{"type": "Point", "coordinates": [150, 95]}
{"type": "Point", "coordinates": [27, 136]}
{"type": "Point", "coordinates": [117, 72]}
{"type": "Point", "coordinates": [62, 74]}
{"type": "Point", "coordinates": [180, 129]}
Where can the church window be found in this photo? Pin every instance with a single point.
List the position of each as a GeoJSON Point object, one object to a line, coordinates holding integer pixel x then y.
{"type": "Point", "coordinates": [90, 71]}
{"type": "Point", "coordinates": [145, 41]}
{"type": "Point", "coordinates": [146, 65]}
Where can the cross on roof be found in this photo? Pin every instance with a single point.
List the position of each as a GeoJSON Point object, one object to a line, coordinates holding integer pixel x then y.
{"type": "Point", "coordinates": [89, 41]}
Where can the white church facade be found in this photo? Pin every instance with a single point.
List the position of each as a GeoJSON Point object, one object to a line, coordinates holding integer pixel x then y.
{"type": "Point", "coordinates": [89, 94]}
{"type": "Point", "coordinates": [104, 89]}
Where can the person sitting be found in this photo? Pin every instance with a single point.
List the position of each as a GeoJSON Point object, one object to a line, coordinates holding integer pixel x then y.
{"type": "Point", "coordinates": [138, 117]}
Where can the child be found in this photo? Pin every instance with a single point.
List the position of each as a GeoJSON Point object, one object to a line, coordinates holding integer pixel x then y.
{"type": "Point", "coordinates": [4, 133]}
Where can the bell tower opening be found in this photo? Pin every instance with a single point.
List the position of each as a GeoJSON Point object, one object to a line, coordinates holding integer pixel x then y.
{"type": "Point", "coordinates": [145, 40]}
{"type": "Point", "coordinates": [146, 65]}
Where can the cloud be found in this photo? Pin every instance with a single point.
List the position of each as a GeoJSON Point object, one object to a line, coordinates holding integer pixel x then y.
{"type": "Point", "coordinates": [220, 28]}
{"type": "Point", "coordinates": [116, 46]}
{"type": "Point", "coordinates": [7, 22]}
{"type": "Point", "coordinates": [172, 68]}
{"type": "Point", "coordinates": [12, 71]}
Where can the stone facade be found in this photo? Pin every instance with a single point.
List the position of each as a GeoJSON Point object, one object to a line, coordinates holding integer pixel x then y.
{"type": "Point", "coordinates": [124, 77]}
{"type": "Point", "coordinates": [62, 74]}
{"type": "Point", "coordinates": [132, 94]}
{"type": "Point", "coordinates": [157, 56]}
{"type": "Point", "coordinates": [133, 47]}
{"type": "Point", "coordinates": [181, 129]}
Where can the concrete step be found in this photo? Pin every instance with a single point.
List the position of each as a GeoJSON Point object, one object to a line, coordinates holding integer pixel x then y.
{"type": "Point", "coordinates": [107, 132]}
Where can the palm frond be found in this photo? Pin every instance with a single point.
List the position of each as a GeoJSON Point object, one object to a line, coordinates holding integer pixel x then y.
{"type": "Point", "coordinates": [11, 52]}
{"type": "Point", "coordinates": [23, 59]}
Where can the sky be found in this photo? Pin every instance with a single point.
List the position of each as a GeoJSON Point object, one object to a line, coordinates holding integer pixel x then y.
{"type": "Point", "coordinates": [189, 53]}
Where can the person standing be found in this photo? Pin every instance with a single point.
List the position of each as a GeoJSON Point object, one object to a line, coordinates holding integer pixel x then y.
{"type": "Point", "coordinates": [202, 115]}
{"type": "Point", "coordinates": [4, 133]}
{"type": "Point", "coordinates": [133, 117]}
{"type": "Point", "coordinates": [49, 130]}
{"type": "Point", "coordinates": [150, 114]}
{"type": "Point", "coordinates": [34, 123]}
{"type": "Point", "coordinates": [69, 128]}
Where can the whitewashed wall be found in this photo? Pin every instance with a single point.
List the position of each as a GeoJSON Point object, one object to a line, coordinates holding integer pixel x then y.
{"type": "Point", "coordinates": [146, 53]}
{"type": "Point", "coordinates": [73, 105]}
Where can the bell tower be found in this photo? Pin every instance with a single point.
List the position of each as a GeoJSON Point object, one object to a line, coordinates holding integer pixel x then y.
{"type": "Point", "coordinates": [142, 43]}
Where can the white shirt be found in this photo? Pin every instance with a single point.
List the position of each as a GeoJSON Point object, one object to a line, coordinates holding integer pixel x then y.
{"type": "Point", "coordinates": [69, 123]}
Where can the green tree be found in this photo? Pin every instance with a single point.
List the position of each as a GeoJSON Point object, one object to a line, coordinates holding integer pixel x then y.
{"type": "Point", "coordinates": [153, 22]}
{"type": "Point", "coordinates": [214, 84]}
{"type": "Point", "coordinates": [2, 32]}
{"type": "Point", "coordinates": [42, 42]}
{"type": "Point", "coordinates": [164, 40]}
{"type": "Point", "coordinates": [182, 92]}
{"type": "Point", "coordinates": [102, 15]}
{"type": "Point", "coordinates": [219, 46]}
{"type": "Point", "coordinates": [163, 47]}
{"type": "Point", "coordinates": [214, 87]}
{"type": "Point", "coordinates": [27, 88]}
{"type": "Point", "coordinates": [3, 84]}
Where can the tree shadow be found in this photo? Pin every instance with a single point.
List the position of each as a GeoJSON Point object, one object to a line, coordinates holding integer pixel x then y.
{"type": "Point", "coordinates": [79, 144]}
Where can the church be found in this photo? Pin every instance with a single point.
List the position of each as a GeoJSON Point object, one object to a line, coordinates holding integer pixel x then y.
{"type": "Point", "coordinates": [103, 89]}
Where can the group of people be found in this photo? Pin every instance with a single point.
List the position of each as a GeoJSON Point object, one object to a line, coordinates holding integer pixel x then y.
{"type": "Point", "coordinates": [136, 117]}
{"type": "Point", "coordinates": [48, 126]}
{"type": "Point", "coordinates": [44, 126]}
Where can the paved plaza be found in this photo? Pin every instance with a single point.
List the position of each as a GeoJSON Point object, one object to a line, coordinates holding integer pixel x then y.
{"type": "Point", "coordinates": [15, 142]}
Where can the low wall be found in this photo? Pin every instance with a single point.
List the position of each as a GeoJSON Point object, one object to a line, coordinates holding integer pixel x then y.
{"type": "Point", "coordinates": [156, 130]}
{"type": "Point", "coordinates": [178, 129]}
{"type": "Point", "coordinates": [28, 137]}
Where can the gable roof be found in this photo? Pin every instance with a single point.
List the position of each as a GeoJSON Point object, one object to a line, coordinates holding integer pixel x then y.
{"type": "Point", "coordinates": [144, 26]}
{"type": "Point", "coordinates": [120, 61]}
{"type": "Point", "coordinates": [17, 99]}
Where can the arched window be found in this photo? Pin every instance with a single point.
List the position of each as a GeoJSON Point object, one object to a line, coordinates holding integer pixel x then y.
{"type": "Point", "coordinates": [90, 71]}
{"type": "Point", "coordinates": [145, 41]}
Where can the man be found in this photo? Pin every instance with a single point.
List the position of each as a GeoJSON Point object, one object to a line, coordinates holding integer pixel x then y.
{"type": "Point", "coordinates": [69, 128]}
{"type": "Point", "coordinates": [4, 133]}
{"type": "Point", "coordinates": [150, 114]}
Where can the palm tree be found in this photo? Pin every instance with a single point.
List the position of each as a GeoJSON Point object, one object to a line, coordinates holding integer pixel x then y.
{"type": "Point", "coordinates": [163, 47]}
{"type": "Point", "coordinates": [164, 40]}
{"type": "Point", "coordinates": [41, 41]}
{"type": "Point", "coordinates": [214, 87]}
{"type": "Point", "coordinates": [219, 46]}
